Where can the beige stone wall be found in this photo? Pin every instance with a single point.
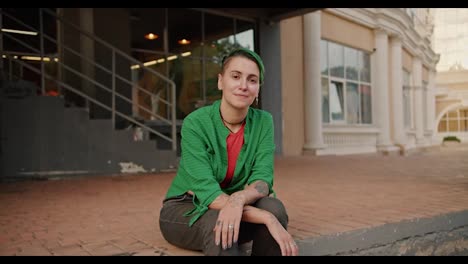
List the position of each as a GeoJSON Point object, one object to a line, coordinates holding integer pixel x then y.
{"type": "Point", "coordinates": [292, 85]}
{"type": "Point", "coordinates": [346, 32]}
{"type": "Point", "coordinates": [454, 77]}
{"type": "Point", "coordinates": [407, 61]}
{"type": "Point", "coordinates": [425, 74]}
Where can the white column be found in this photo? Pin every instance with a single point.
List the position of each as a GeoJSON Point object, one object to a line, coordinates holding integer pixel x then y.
{"type": "Point", "coordinates": [381, 88]}
{"type": "Point", "coordinates": [312, 83]}
{"type": "Point", "coordinates": [430, 97]}
{"type": "Point", "coordinates": [397, 90]}
{"type": "Point", "coordinates": [418, 106]}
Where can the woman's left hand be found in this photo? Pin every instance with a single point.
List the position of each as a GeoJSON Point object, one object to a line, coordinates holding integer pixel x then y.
{"type": "Point", "coordinates": [283, 238]}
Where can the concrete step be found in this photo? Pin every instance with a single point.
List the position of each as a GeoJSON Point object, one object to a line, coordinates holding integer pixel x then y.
{"type": "Point", "coordinates": [444, 234]}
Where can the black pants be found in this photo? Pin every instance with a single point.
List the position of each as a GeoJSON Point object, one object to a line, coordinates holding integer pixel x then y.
{"type": "Point", "coordinates": [201, 237]}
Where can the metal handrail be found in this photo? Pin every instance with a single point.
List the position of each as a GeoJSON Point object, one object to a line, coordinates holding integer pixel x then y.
{"type": "Point", "coordinates": [131, 59]}
{"type": "Point", "coordinates": [68, 87]}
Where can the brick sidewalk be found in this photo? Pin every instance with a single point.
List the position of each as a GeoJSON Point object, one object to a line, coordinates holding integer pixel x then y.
{"type": "Point", "coordinates": [117, 215]}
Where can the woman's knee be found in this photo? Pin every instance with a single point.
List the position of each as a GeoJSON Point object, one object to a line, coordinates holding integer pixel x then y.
{"type": "Point", "coordinates": [209, 219]}
{"type": "Point", "coordinates": [207, 223]}
{"type": "Point", "coordinates": [274, 206]}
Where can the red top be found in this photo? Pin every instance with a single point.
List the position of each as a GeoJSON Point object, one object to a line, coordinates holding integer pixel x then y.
{"type": "Point", "coordinates": [234, 144]}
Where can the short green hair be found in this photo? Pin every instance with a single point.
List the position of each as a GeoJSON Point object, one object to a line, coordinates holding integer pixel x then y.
{"type": "Point", "coordinates": [251, 55]}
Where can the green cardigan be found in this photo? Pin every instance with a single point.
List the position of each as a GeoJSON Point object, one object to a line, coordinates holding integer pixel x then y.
{"type": "Point", "coordinates": [203, 161]}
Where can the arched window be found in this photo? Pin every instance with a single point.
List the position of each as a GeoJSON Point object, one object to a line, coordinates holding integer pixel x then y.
{"type": "Point", "coordinates": [454, 121]}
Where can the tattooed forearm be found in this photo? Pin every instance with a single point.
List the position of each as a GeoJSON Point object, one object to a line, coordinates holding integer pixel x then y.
{"type": "Point", "coordinates": [262, 187]}
{"type": "Point", "coordinates": [236, 200]}
{"type": "Point", "coordinates": [219, 201]}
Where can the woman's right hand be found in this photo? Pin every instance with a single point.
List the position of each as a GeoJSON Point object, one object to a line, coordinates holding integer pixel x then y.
{"type": "Point", "coordinates": [228, 223]}
{"type": "Point", "coordinates": [283, 238]}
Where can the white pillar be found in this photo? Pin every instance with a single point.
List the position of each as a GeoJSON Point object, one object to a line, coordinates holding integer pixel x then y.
{"type": "Point", "coordinates": [397, 90]}
{"type": "Point", "coordinates": [431, 102]}
{"type": "Point", "coordinates": [312, 83]}
{"type": "Point", "coordinates": [418, 106]}
{"type": "Point", "coordinates": [381, 88]}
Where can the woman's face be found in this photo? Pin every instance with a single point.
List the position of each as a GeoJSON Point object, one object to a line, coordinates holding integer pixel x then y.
{"type": "Point", "coordinates": [239, 82]}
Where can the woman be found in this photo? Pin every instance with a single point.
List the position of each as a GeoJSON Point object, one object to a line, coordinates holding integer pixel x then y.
{"type": "Point", "coordinates": [220, 197]}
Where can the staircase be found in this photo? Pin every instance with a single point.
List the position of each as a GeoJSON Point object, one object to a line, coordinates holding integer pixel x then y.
{"type": "Point", "coordinates": [45, 139]}
{"type": "Point", "coordinates": [47, 136]}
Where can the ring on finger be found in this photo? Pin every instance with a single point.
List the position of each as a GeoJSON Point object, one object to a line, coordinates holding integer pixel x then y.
{"type": "Point", "coordinates": [230, 226]}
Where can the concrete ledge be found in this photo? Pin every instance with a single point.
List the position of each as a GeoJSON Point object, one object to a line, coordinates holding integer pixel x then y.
{"type": "Point", "coordinates": [444, 234]}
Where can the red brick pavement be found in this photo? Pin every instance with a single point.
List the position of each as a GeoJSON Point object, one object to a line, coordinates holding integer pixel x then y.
{"type": "Point", "coordinates": [117, 215]}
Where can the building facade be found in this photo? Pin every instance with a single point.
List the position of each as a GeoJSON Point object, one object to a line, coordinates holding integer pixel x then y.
{"type": "Point", "coordinates": [357, 80]}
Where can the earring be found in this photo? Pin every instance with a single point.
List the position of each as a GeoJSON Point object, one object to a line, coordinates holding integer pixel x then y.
{"type": "Point", "coordinates": [256, 100]}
